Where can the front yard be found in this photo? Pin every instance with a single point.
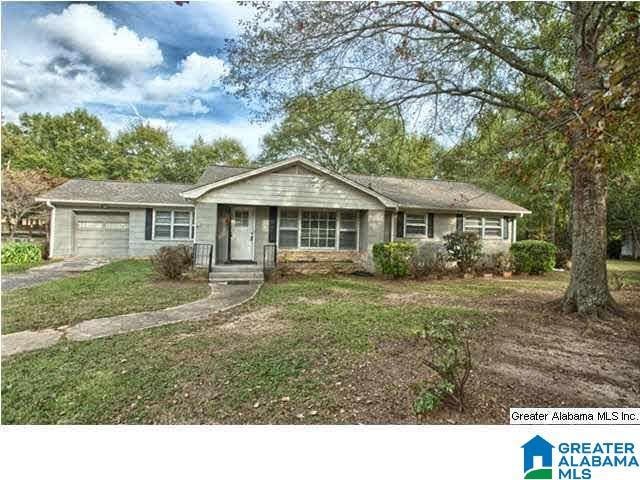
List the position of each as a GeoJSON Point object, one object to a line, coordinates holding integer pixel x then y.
{"type": "Point", "coordinates": [125, 286]}
{"type": "Point", "coordinates": [336, 350]}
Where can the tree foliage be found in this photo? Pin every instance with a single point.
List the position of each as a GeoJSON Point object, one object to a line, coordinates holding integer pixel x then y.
{"type": "Point", "coordinates": [346, 132]}
{"type": "Point", "coordinates": [19, 191]}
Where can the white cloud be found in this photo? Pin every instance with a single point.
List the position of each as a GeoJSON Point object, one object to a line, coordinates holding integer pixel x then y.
{"type": "Point", "coordinates": [196, 74]}
{"type": "Point", "coordinates": [195, 107]}
{"type": "Point", "coordinates": [84, 29]}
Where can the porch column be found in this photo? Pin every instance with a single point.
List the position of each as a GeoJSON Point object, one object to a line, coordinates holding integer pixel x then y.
{"type": "Point", "coordinates": [206, 224]}
{"type": "Point", "coordinates": [375, 233]}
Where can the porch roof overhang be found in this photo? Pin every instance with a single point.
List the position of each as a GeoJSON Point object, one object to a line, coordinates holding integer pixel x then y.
{"type": "Point", "coordinates": [195, 193]}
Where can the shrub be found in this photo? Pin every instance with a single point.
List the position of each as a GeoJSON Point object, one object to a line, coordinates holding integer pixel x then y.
{"type": "Point", "coordinates": [172, 262]}
{"type": "Point", "coordinates": [21, 253]}
{"type": "Point", "coordinates": [464, 248]}
{"type": "Point", "coordinates": [534, 256]}
{"type": "Point", "coordinates": [450, 358]}
{"type": "Point", "coordinates": [428, 259]}
{"type": "Point", "coordinates": [504, 262]}
{"type": "Point", "coordinates": [486, 264]}
{"type": "Point", "coordinates": [393, 258]}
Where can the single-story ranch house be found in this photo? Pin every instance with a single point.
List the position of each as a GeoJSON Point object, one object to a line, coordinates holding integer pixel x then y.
{"type": "Point", "coordinates": [290, 211]}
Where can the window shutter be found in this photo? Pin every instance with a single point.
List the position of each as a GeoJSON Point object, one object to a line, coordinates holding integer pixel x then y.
{"type": "Point", "coordinates": [459, 223]}
{"type": "Point", "coordinates": [273, 223]}
{"type": "Point", "coordinates": [148, 224]}
{"type": "Point", "coordinates": [430, 225]}
{"type": "Point", "coordinates": [400, 225]}
{"type": "Point", "coordinates": [505, 230]}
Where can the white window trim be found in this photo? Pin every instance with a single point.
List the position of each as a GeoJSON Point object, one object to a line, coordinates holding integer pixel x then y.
{"type": "Point", "coordinates": [299, 229]}
{"type": "Point", "coordinates": [416, 235]}
{"type": "Point", "coordinates": [171, 225]}
{"type": "Point", "coordinates": [482, 227]}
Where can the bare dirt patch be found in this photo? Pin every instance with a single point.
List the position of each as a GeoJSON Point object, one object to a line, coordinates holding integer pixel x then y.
{"type": "Point", "coordinates": [265, 321]}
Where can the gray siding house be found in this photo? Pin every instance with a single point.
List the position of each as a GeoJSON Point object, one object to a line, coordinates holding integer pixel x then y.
{"type": "Point", "coordinates": [304, 212]}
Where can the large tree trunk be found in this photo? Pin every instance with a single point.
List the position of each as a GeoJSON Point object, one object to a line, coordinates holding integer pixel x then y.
{"type": "Point", "coordinates": [588, 291]}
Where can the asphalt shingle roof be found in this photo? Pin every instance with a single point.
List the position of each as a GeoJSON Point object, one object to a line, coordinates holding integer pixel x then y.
{"type": "Point", "coordinates": [408, 192]}
{"type": "Point", "coordinates": [436, 194]}
{"type": "Point", "coordinates": [121, 192]}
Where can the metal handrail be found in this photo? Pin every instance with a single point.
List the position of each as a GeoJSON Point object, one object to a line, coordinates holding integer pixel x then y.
{"type": "Point", "coordinates": [270, 256]}
{"type": "Point", "coordinates": [202, 255]}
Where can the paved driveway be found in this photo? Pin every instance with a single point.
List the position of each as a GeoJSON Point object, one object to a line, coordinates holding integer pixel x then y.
{"type": "Point", "coordinates": [52, 271]}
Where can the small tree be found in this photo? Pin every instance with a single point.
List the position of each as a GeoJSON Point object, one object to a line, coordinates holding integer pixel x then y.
{"type": "Point", "coordinates": [464, 248]}
{"type": "Point", "coordinates": [393, 258]}
{"type": "Point", "coordinates": [449, 356]}
{"type": "Point", "coordinates": [19, 191]}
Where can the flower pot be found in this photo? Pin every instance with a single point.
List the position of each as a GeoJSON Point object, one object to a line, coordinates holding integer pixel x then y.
{"type": "Point", "coordinates": [487, 275]}
{"type": "Point", "coordinates": [506, 274]}
{"type": "Point", "coordinates": [467, 275]}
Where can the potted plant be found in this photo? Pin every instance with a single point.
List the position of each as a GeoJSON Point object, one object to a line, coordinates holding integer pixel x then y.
{"type": "Point", "coordinates": [504, 264]}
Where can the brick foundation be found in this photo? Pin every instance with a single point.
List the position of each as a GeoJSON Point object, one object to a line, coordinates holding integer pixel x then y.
{"type": "Point", "coordinates": [315, 262]}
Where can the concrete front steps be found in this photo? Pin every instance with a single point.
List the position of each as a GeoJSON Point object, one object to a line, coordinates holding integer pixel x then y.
{"type": "Point", "coordinates": [236, 272]}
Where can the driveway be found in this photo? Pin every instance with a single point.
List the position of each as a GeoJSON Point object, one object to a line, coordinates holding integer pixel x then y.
{"type": "Point", "coordinates": [52, 271]}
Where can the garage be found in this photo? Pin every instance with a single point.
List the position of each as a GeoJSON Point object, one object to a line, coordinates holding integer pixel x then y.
{"type": "Point", "coordinates": [99, 234]}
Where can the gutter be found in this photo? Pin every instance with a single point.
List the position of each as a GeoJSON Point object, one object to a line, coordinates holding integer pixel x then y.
{"type": "Point", "coordinates": [52, 222]}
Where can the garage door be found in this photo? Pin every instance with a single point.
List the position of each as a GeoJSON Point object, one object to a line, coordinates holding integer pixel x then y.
{"type": "Point", "coordinates": [102, 234]}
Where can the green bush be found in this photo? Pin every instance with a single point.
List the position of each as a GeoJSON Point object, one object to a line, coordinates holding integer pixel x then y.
{"type": "Point", "coordinates": [464, 248]}
{"type": "Point", "coordinates": [393, 258]}
{"type": "Point", "coordinates": [21, 253]}
{"type": "Point", "coordinates": [534, 256]}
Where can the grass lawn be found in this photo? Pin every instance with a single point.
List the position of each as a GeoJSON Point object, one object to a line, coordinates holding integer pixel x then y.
{"type": "Point", "coordinates": [125, 286]}
{"type": "Point", "coordinates": [337, 350]}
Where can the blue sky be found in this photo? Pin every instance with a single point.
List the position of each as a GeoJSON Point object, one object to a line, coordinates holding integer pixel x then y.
{"type": "Point", "coordinates": [124, 61]}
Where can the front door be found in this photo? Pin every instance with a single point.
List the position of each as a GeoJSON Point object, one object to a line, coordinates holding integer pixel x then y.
{"type": "Point", "coordinates": [242, 233]}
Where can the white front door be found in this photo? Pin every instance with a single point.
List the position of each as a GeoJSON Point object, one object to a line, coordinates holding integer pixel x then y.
{"type": "Point", "coordinates": [242, 233]}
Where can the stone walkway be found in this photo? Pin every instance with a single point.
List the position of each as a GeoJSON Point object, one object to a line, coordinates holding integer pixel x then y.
{"type": "Point", "coordinates": [222, 297]}
{"type": "Point", "coordinates": [51, 271]}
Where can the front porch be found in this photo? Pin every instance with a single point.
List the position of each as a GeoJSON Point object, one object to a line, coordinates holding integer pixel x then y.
{"type": "Point", "coordinates": [249, 239]}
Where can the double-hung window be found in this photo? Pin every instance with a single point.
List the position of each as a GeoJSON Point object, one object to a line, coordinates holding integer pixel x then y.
{"type": "Point", "coordinates": [172, 225]}
{"type": "Point", "coordinates": [348, 239]}
{"type": "Point", "coordinates": [484, 227]}
{"type": "Point", "coordinates": [288, 232]}
{"type": "Point", "coordinates": [415, 225]}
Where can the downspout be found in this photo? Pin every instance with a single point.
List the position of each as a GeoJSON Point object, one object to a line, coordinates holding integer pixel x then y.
{"type": "Point", "coordinates": [51, 226]}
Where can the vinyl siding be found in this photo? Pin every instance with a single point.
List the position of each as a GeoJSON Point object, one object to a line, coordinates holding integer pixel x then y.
{"type": "Point", "coordinates": [62, 232]}
{"type": "Point", "coordinates": [297, 190]}
{"type": "Point", "coordinates": [138, 246]}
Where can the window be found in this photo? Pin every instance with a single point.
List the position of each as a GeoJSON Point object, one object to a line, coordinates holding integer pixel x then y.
{"type": "Point", "coordinates": [172, 225]}
{"type": "Point", "coordinates": [415, 225]}
{"type": "Point", "coordinates": [299, 228]}
{"type": "Point", "coordinates": [348, 231]}
{"type": "Point", "coordinates": [241, 218]}
{"type": "Point", "coordinates": [485, 227]}
{"type": "Point", "coordinates": [318, 229]}
{"type": "Point", "coordinates": [288, 228]}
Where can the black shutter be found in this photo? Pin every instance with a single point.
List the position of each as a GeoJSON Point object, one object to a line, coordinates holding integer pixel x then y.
{"type": "Point", "coordinates": [430, 225]}
{"type": "Point", "coordinates": [273, 224]}
{"type": "Point", "coordinates": [505, 230]}
{"type": "Point", "coordinates": [148, 224]}
{"type": "Point", "coordinates": [400, 225]}
{"type": "Point", "coordinates": [459, 223]}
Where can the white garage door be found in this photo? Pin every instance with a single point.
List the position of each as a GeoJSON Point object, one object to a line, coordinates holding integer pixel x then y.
{"type": "Point", "coordinates": [102, 234]}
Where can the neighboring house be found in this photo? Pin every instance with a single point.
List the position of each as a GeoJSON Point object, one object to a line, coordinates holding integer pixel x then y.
{"type": "Point", "coordinates": [296, 208]}
{"type": "Point", "coordinates": [630, 245]}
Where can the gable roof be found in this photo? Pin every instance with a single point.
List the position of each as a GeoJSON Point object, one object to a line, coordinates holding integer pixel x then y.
{"type": "Point", "coordinates": [215, 173]}
{"type": "Point", "coordinates": [438, 194]}
{"type": "Point", "coordinates": [114, 192]}
{"type": "Point", "coordinates": [420, 193]}
{"type": "Point", "coordinates": [198, 191]}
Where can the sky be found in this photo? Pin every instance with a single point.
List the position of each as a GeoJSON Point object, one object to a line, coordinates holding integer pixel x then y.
{"type": "Point", "coordinates": [152, 61]}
